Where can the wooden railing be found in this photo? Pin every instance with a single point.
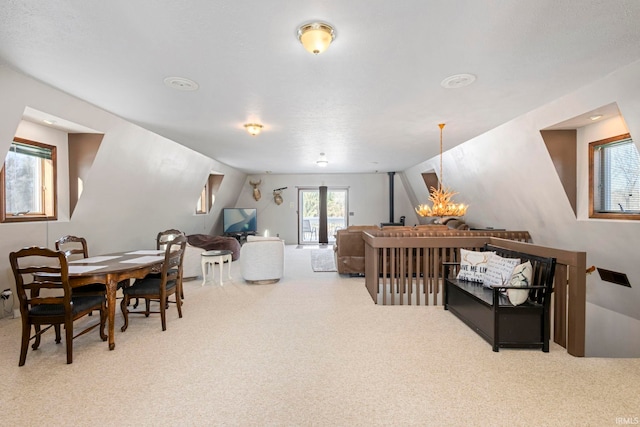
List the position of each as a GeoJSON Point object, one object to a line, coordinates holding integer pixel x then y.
{"type": "Point", "coordinates": [407, 269]}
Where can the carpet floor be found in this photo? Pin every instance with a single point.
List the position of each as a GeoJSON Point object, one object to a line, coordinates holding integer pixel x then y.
{"type": "Point", "coordinates": [311, 350]}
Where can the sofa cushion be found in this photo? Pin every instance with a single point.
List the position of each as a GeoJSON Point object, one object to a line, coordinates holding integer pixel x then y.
{"type": "Point", "coordinates": [262, 239]}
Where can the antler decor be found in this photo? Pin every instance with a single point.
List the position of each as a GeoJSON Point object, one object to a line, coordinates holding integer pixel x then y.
{"type": "Point", "coordinates": [441, 198]}
{"type": "Point", "coordinates": [277, 195]}
{"type": "Point", "coordinates": [441, 204]}
{"type": "Point", "coordinates": [256, 192]}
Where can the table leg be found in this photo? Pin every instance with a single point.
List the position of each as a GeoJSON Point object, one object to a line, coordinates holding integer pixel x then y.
{"type": "Point", "coordinates": [112, 288]}
{"type": "Point", "coordinates": [229, 266]}
{"type": "Point", "coordinates": [204, 271]}
{"type": "Point", "coordinates": [221, 264]}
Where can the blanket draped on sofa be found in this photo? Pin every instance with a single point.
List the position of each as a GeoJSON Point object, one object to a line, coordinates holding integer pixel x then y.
{"type": "Point", "coordinates": [213, 243]}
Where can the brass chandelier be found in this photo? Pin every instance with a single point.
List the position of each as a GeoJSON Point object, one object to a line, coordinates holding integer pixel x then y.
{"type": "Point", "coordinates": [441, 198]}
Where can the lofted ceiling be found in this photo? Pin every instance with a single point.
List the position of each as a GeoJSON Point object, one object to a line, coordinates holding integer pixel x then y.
{"type": "Point", "coordinates": [371, 102]}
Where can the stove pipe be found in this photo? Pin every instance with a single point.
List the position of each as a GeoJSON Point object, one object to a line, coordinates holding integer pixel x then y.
{"type": "Point", "coordinates": [391, 213]}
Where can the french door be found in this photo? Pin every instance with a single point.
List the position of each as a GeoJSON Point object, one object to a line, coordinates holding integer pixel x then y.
{"type": "Point", "coordinates": [319, 217]}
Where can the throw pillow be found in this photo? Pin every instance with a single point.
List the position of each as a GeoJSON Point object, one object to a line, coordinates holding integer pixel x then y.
{"type": "Point", "coordinates": [499, 270]}
{"type": "Point", "coordinates": [521, 277]}
{"type": "Point", "coordinates": [473, 265]}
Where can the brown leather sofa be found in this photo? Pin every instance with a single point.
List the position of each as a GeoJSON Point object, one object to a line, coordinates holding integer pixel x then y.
{"type": "Point", "coordinates": [349, 246]}
{"type": "Point", "coordinates": [349, 249]}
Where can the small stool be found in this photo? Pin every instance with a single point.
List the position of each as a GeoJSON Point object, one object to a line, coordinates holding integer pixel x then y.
{"type": "Point", "coordinates": [213, 258]}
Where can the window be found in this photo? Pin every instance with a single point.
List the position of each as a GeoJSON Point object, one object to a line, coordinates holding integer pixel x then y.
{"type": "Point", "coordinates": [614, 185]}
{"type": "Point", "coordinates": [202, 207]}
{"type": "Point", "coordinates": [208, 194]}
{"type": "Point", "coordinates": [28, 182]}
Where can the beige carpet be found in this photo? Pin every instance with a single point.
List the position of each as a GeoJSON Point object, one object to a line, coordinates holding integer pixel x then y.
{"type": "Point", "coordinates": [312, 350]}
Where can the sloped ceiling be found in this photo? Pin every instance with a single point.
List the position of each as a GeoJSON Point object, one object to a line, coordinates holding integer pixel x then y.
{"type": "Point", "coordinates": [371, 102]}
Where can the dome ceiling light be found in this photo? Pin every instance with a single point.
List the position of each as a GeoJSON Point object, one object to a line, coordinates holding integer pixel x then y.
{"type": "Point", "coordinates": [316, 36]}
{"type": "Point", "coordinates": [253, 128]}
{"type": "Point", "coordinates": [322, 161]}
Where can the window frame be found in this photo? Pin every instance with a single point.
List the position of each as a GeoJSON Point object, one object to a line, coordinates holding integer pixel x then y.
{"type": "Point", "coordinates": [29, 217]}
{"type": "Point", "coordinates": [208, 194]}
{"type": "Point", "coordinates": [202, 206]}
{"type": "Point", "coordinates": [593, 213]}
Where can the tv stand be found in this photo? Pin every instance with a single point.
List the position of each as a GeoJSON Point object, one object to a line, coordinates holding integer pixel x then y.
{"type": "Point", "coordinates": [240, 236]}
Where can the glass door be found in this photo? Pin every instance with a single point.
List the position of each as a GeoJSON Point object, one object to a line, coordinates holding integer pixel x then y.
{"type": "Point", "coordinates": [309, 213]}
{"type": "Point", "coordinates": [337, 210]}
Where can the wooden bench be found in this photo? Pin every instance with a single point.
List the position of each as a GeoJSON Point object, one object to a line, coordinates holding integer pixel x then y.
{"type": "Point", "coordinates": [489, 312]}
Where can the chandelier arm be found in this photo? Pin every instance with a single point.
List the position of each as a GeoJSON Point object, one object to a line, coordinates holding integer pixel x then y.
{"type": "Point", "coordinates": [441, 199]}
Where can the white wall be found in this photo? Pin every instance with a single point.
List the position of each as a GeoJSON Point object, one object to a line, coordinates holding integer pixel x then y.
{"type": "Point", "coordinates": [140, 183]}
{"type": "Point", "coordinates": [509, 181]}
{"type": "Point", "coordinates": [368, 200]}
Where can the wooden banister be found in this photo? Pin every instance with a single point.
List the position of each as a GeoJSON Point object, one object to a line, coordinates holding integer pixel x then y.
{"type": "Point", "coordinates": [406, 268]}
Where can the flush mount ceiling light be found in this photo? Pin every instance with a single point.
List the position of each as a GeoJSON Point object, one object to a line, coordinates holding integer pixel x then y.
{"type": "Point", "coordinates": [457, 81]}
{"type": "Point", "coordinates": [181, 83]}
{"type": "Point", "coordinates": [322, 161]}
{"type": "Point", "coordinates": [595, 117]}
{"type": "Point", "coordinates": [253, 128]}
{"type": "Point", "coordinates": [316, 36]}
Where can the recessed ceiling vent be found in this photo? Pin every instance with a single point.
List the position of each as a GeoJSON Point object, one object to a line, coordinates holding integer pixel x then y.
{"type": "Point", "coordinates": [457, 81]}
{"type": "Point", "coordinates": [181, 83]}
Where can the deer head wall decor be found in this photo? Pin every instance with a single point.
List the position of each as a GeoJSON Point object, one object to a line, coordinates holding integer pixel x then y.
{"type": "Point", "coordinates": [277, 195]}
{"type": "Point", "coordinates": [256, 191]}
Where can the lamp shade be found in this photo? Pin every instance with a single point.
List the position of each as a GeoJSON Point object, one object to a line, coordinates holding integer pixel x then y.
{"type": "Point", "coordinates": [316, 36]}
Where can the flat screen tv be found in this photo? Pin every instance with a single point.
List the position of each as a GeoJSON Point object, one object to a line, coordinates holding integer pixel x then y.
{"type": "Point", "coordinates": [239, 220]}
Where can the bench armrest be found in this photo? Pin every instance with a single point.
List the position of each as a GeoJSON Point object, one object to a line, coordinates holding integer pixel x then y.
{"type": "Point", "coordinates": [447, 265]}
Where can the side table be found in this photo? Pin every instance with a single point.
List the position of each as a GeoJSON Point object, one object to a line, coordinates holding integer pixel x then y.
{"type": "Point", "coordinates": [213, 258]}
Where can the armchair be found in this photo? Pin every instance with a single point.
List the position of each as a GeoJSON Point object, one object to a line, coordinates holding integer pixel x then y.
{"type": "Point", "coordinates": [262, 259]}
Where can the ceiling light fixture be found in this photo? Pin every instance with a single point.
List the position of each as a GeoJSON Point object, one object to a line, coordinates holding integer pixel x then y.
{"type": "Point", "coordinates": [322, 161]}
{"type": "Point", "coordinates": [457, 81]}
{"type": "Point", "coordinates": [316, 36]}
{"type": "Point", "coordinates": [441, 198]}
{"type": "Point", "coordinates": [595, 117]}
{"type": "Point", "coordinates": [253, 128]}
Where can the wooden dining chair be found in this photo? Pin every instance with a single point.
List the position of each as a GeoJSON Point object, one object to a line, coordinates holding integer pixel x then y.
{"type": "Point", "coordinates": [166, 236]}
{"type": "Point", "coordinates": [75, 248]}
{"type": "Point", "coordinates": [154, 288]}
{"type": "Point", "coordinates": [57, 306]}
{"type": "Point", "coordinates": [161, 240]}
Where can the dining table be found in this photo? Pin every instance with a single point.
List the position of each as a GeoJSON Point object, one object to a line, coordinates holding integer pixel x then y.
{"type": "Point", "coordinates": [110, 270]}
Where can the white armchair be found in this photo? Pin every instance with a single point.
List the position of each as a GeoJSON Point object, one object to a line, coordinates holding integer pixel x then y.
{"type": "Point", "coordinates": [262, 259]}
